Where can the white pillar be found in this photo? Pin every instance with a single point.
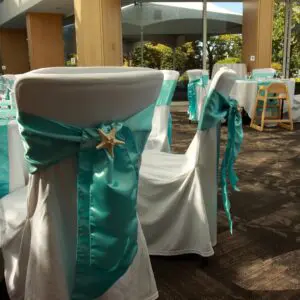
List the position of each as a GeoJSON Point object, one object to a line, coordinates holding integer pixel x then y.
{"type": "Point", "coordinates": [204, 19]}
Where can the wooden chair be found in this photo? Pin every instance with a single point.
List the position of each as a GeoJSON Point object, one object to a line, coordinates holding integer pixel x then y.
{"type": "Point", "coordinates": [272, 97]}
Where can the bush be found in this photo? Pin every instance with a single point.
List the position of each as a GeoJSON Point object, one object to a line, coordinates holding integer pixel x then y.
{"type": "Point", "coordinates": [277, 67]}
{"type": "Point", "coordinates": [230, 60]}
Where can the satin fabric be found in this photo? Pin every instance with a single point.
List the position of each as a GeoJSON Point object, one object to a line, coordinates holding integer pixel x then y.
{"type": "Point", "coordinates": [217, 108]}
{"type": "Point", "coordinates": [4, 159]}
{"type": "Point", "coordinates": [106, 192]}
{"type": "Point", "coordinates": [192, 96]}
{"type": "Point", "coordinates": [165, 98]}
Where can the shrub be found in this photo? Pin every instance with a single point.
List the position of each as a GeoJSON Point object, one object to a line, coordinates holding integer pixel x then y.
{"type": "Point", "coordinates": [230, 60]}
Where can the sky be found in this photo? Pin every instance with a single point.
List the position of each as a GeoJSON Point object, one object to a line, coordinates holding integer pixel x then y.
{"type": "Point", "coordinates": [232, 6]}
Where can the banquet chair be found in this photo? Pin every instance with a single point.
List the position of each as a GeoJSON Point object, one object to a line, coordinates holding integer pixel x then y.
{"type": "Point", "coordinates": [13, 177]}
{"type": "Point", "coordinates": [81, 238]}
{"type": "Point", "coordinates": [177, 198]}
{"type": "Point", "coordinates": [197, 90]}
{"type": "Point", "coordinates": [160, 138]}
{"type": "Point", "coordinates": [265, 73]}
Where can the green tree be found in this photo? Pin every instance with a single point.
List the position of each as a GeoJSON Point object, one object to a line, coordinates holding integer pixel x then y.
{"type": "Point", "coordinates": [219, 48]}
{"type": "Point", "coordinates": [278, 35]}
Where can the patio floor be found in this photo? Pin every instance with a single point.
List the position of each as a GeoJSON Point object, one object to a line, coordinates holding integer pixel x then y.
{"type": "Point", "coordinates": [261, 261]}
{"type": "Point", "coordinates": [262, 258]}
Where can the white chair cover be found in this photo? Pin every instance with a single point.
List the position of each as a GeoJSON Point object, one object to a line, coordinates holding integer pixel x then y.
{"type": "Point", "coordinates": [177, 201]}
{"type": "Point", "coordinates": [17, 176]}
{"type": "Point", "coordinates": [240, 69]}
{"type": "Point", "coordinates": [161, 124]}
{"type": "Point", "coordinates": [39, 237]}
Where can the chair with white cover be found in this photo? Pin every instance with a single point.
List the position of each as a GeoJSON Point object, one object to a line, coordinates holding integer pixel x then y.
{"type": "Point", "coordinates": [160, 138]}
{"type": "Point", "coordinates": [177, 199]}
{"type": "Point", "coordinates": [80, 237]}
{"type": "Point", "coordinates": [197, 91]}
{"type": "Point", "coordinates": [13, 177]}
{"type": "Point", "coordinates": [265, 73]}
{"type": "Point", "coordinates": [239, 68]}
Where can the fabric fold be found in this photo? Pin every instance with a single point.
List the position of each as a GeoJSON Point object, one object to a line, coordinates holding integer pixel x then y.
{"type": "Point", "coordinates": [106, 190]}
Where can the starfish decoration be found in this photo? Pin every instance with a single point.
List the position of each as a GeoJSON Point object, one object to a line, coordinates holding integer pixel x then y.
{"type": "Point", "coordinates": [108, 141]}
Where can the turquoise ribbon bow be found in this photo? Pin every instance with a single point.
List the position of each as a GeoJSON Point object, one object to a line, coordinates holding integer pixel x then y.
{"type": "Point", "coordinates": [235, 139]}
{"type": "Point", "coordinates": [106, 190]}
{"type": "Point", "coordinates": [217, 108]}
{"type": "Point", "coordinates": [4, 159]}
{"type": "Point", "coordinates": [165, 98]}
{"type": "Point", "coordinates": [192, 97]}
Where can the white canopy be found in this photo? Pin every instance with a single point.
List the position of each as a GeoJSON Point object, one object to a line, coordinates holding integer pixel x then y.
{"type": "Point", "coordinates": [177, 19]}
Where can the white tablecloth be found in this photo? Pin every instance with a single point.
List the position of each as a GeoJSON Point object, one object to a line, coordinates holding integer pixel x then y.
{"type": "Point", "coordinates": [244, 91]}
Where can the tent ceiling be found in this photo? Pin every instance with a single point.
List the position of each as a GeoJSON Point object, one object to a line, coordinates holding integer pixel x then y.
{"type": "Point", "coordinates": [66, 7]}
{"type": "Point", "coordinates": [172, 20]}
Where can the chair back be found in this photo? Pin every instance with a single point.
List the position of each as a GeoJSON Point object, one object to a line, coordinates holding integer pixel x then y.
{"type": "Point", "coordinates": [160, 137]}
{"type": "Point", "coordinates": [223, 83]}
{"type": "Point", "coordinates": [266, 73]}
{"type": "Point", "coordinates": [168, 88]}
{"type": "Point", "coordinates": [83, 99]}
{"type": "Point", "coordinates": [198, 82]}
{"type": "Point", "coordinates": [278, 88]}
{"type": "Point", "coordinates": [240, 69]}
{"type": "Point", "coordinates": [90, 94]}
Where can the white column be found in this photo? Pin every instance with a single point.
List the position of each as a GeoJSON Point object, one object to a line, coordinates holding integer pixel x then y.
{"type": "Point", "coordinates": [204, 40]}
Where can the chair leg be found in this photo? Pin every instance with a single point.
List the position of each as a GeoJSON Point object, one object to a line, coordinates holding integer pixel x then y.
{"type": "Point", "coordinates": [204, 262]}
{"type": "Point", "coordinates": [289, 126]}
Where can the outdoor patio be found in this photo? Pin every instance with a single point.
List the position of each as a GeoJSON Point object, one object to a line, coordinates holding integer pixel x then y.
{"type": "Point", "coordinates": [260, 260]}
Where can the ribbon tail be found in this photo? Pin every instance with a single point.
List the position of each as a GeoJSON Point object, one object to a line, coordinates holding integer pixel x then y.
{"type": "Point", "coordinates": [226, 202]}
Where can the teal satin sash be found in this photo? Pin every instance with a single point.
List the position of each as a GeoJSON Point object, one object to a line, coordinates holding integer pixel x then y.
{"type": "Point", "coordinates": [4, 159]}
{"type": "Point", "coordinates": [217, 108]}
{"type": "Point", "coordinates": [165, 98]}
{"type": "Point", "coordinates": [166, 93]}
{"type": "Point", "coordinates": [106, 191]}
{"type": "Point", "coordinates": [192, 98]}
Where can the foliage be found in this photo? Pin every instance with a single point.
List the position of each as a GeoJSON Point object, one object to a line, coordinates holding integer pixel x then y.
{"type": "Point", "coordinates": [159, 56]}
{"type": "Point", "coordinates": [229, 60]}
{"type": "Point", "coordinates": [277, 67]}
{"type": "Point", "coordinates": [222, 47]}
{"type": "Point", "coordinates": [278, 36]}
{"type": "Point", "coordinates": [69, 62]}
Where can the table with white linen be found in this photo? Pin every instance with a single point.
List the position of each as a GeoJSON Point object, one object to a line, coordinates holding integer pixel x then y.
{"type": "Point", "coordinates": [245, 91]}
